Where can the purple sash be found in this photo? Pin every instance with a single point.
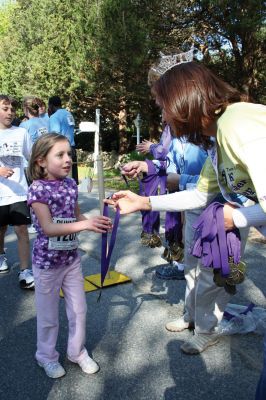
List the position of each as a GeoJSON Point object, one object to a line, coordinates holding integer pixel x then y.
{"type": "Point", "coordinates": [107, 250]}
{"type": "Point", "coordinates": [149, 186]}
{"type": "Point", "coordinates": [212, 243]}
{"type": "Point", "coordinates": [159, 151]}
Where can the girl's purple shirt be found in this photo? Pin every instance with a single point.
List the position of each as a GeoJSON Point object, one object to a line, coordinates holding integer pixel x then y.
{"type": "Point", "coordinates": [61, 197]}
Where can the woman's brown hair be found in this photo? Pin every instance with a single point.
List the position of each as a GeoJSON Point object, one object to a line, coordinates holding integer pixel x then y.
{"type": "Point", "coordinates": [190, 94]}
{"type": "Point", "coordinates": [31, 104]}
{"type": "Point", "coordinates": [40, 149]}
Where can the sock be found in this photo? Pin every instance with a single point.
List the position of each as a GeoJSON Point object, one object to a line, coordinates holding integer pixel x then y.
{"type": "Point", "coordinates": [179, 266]}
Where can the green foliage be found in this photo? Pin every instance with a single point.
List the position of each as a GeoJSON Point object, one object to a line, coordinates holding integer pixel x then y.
{"type": "Point", "coordinates": [96, 54]}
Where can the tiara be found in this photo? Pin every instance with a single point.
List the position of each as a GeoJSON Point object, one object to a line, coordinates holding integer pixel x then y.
{"type": "Point", "coordinates": [168, 62]}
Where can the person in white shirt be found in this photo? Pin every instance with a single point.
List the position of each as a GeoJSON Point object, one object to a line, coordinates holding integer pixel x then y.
{"type": "Point", "coordinates": [15, 147]}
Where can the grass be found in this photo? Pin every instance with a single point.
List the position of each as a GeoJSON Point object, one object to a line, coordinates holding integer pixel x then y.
{"type": "Point", "coordinates": [112, 179]}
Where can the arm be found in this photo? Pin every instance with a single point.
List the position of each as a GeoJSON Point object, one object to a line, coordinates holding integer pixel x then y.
{"type": "Point", "coordinates": [129, 202]}
{"type": "Point", "coordinates": [27, 145]}
{"type": "Point", "coordinates": [97, 224]}
{"type": "Point", "coordinates": [160, 150]}
{"type": "Point", "coordinates": [6, 172]}
{"type": "Point", "coordinates": [244, 217]}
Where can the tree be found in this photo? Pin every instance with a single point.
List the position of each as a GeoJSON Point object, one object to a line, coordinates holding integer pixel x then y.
{"type": "Point", "coordinates": [97, 53]}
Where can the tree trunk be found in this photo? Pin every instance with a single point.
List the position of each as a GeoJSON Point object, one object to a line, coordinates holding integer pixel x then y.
{"type": "Point", "coordinates": [122, 124]}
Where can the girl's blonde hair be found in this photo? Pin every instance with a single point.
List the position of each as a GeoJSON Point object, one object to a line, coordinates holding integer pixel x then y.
{"type": "Point", "coordinates": [40, 149]}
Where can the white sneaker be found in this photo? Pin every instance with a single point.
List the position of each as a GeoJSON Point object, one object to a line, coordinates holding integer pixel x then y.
{"type": "Point", "coordinates": [31, 229]}
{"type": "Point", "coordinates": [3, 264]}
{"type": "Point", "coordinates": [178, 325]}
{"type": "Point", "coordinates": [88, 365]}
{"type": "Point", "coordinates": [26, 279]}
{"type": "Point", "coordinates": [52, 369]}
{"type": "Point", "coordinates": [198, 343]}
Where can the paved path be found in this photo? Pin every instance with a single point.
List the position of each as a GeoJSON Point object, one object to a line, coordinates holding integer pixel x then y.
{"type": "Point", "coordinates": [139, 359]}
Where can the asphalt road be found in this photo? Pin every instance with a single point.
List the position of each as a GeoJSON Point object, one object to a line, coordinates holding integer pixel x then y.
{"type": "Point", "coordinates": [139, 359]}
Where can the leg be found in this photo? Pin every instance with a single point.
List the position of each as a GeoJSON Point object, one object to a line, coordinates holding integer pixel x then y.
{"type": "Point", "coordinates": [76, 309]}
{"type": "Point", "coordinates": [191, 273]}
{"type": "Point", "coordinates": [23, 245]}
{"type": "Point", "coordinates": [47, 288]}
{"type": "Point", "coordinates": [3, 230]}
{"type": "Point", "coordinates": [4, 268]}
{"type": "Point", "coordinates": [191, 262]}
{"type": "Point", "coordinates": [211, 301]}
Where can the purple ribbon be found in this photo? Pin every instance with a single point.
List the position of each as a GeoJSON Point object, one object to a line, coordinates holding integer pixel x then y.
{"type": "Point", "coordinates": [212, 243]}
{"type": "Point", "coordinates": [107, 250]}
{"type": "Point", "coordinates": [228, 316]}
{"type": "Point", "coordinates": [150, 183]}
{"type": "Point", "coordinates": [159, 151]}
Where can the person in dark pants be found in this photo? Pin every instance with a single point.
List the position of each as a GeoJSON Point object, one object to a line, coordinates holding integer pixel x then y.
{"type": "Point", "coordinates": [62, 121]}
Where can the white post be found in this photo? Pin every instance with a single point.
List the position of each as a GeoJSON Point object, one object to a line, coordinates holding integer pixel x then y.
{"type": "Point", "coordinates": [96, 138]}
{"type": "Point", "coordinates": [98, 162]}
{"type": "Point", "coordinates": [138, 129]}
{"type": "Point", "coordinates": [100, 178]}
{"type": "Point", "coordinates": [97, 158]}
{"type": "Point", "coordinates": [137, 122]}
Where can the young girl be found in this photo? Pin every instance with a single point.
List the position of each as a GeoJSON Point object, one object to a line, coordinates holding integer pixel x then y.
{"type": "Point", "coordinates": [35, 125]}
{"type": "Point", "coordinates": [56, 264]}
{"type": "Point", "coordinates": [196, 102]}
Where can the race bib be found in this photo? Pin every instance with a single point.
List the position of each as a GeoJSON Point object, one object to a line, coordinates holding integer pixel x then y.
{"type": "Point", "coordinates": [42, 131]}
{"type": "Point", "coordinates": [66, 242]}
{"type": "Point", "coordinates": [70, 120]}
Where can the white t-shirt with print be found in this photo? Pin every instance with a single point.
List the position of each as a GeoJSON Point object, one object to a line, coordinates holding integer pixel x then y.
{"type": "Point", "coordinates": [15, 147]}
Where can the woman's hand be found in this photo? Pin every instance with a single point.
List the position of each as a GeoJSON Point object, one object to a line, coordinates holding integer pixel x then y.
{"type": "Point", "coordinates": [173, 182]}
{"type": "Point", "coordinates": [134, 168]}
{"type": "Point", "coordinates": [128, 202]}
{"type": "Point", "coordinates": [144, 146]}
{"type": "Point", "coordinates": [228, 219]}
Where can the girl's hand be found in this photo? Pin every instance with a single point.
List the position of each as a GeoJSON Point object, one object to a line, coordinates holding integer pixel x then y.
{"type": "Point", "coordinates": [99, 224]}
{"type": "Point", "coordinates": [6, 172]}
{"type": "Point", "coordinates": [128, 202]}
{"type": "Point", "coordinates": [228, 219]}
{"type": "Point", "coordinates": [134, 168]}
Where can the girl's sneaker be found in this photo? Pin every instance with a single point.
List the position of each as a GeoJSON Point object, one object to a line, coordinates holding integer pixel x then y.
{"type": "Point", "coordinates": [87, 364]}
{"type": "Point", "coordinates": [52, 369]}
{"type": "Point", "coordinates": [26, 279]}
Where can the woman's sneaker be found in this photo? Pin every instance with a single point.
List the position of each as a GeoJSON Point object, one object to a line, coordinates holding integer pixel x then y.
{"type": "Point", "coordinates": [26, 280]}
{"type": "Point", "coordinates": [52, 369]}
{"type": "Point", "coordinates": [87, 364]}
{"type": "Point", "coordinates": [198, 343]}
{"type": "Point", "coordinates": [179, 325]}
{"type": "Point", "coordinates": [3, 264]}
